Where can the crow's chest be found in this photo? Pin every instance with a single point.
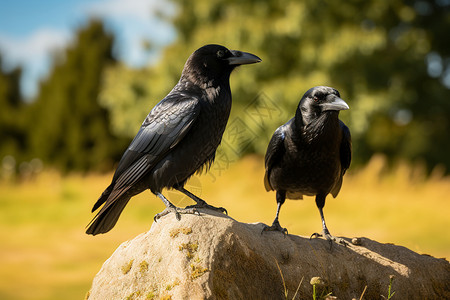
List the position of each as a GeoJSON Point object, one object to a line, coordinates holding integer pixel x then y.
{"type": "Point", "coordinates": [309, 167]}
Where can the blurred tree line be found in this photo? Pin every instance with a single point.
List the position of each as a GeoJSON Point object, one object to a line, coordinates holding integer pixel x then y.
{"type": "Point", "coordinates": [390, 60]}
{"type": "Point", "coordinates": [64, 126]}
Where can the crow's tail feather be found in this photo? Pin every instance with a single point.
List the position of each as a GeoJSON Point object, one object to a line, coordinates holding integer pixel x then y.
{"type": "Point", "coordinates": [103, 197]}
{"type": "Point", "coordinates": [105, 220]}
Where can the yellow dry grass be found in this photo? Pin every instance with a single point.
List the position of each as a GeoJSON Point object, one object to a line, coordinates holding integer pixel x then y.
{"type": "Point", "coordinates": [44, 253]}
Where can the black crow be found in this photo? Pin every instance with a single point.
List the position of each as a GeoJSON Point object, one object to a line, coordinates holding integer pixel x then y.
{"type": "Point", "coordinates": [310, 153]}
{"type": "Point", "coordinates": [178, 137]}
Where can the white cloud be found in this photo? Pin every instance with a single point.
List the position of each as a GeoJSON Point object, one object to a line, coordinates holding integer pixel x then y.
{"type": "Point", "coordinates": [134, 21]}
{"type": "Point", "coordinates": [34, 53]}
{"type": "Point", "coordinates": [37, 45]}
{"type": "Point", "coordinates": [138, 9]}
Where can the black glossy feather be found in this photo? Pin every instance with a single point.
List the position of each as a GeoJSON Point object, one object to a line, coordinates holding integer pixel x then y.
{"type": "Point", "coordinates": [157, 135]}
{"type": "Point", "coordinates": [346, 147]}
{"type": "Point", "coordinates": [178, 137]}
{"type": "Point", "coordinates": [310, 154]}
{"type": "Point", "coordinates": [275, 152]}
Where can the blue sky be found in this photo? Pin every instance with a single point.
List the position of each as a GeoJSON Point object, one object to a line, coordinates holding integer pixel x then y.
{"type": "Point", "coordinates": [31, 30]}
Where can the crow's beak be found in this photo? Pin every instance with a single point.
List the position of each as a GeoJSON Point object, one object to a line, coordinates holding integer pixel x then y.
{"type": "Point", "coordinates": [335, 104]}
{"type": "Point", "coordinates": [242, 58]}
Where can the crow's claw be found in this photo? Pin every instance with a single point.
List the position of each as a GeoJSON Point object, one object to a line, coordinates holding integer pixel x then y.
{"type": "Point", "coordinates": [275, 227]}
{"type": "Point", "coordinates": [329, 238]}
{"type": "Point", "coordinates": [203, 204]}
{"type": "Point", "coordinates": [177, 210]}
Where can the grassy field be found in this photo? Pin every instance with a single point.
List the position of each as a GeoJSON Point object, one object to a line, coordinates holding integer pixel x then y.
{"type": "Point", "coordinates": [44, 253]}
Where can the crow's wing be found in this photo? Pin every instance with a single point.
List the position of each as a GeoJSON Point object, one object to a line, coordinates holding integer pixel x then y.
{"type": "Point", "coordinates": [275, 151]}
{"type": "Point", "coordinates": [346, 147]}
{"type": "Point", "coordinates": [345, 156]}
{"type": "Point", "coordinates": [164, 127]}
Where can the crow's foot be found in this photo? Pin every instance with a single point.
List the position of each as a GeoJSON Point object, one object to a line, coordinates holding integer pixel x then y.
{"type": "Point", "coordinates": [329, 238]}
{"type": "Point", "coordinates": [275, 227]}
{"type": "Point", "coordinates": [203, 204]}
{"type": "Point", "coordinates": [177, 210]}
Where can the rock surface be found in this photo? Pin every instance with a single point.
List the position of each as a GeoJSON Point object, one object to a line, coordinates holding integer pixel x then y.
{"type": "Point", "coordinates": [216, 257]}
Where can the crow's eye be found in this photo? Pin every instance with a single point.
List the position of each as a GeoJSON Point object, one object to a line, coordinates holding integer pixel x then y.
{"type": "Point", "coordinates": [220, 53]}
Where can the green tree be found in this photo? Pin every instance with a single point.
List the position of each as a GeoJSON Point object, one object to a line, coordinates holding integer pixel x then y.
{"type": "Point", "coordinates": [68, 127]}
{"type": "Point", "coordinates": [376, 53]}
{"type": "Point", "coordinates": [12, 124]}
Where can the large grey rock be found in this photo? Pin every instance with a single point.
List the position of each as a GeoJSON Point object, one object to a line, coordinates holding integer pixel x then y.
{"type": "Point", "coordinates": [215, 257]}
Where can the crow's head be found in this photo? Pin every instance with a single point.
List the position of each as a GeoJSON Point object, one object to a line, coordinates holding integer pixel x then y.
{"type": "Point", "coordinates": [318, 100]}
{"type": "Point", "coordinates": [215, 62]}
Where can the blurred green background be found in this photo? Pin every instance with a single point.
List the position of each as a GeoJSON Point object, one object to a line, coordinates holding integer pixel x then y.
{"type": "Point", "coordinates": [390, 60]}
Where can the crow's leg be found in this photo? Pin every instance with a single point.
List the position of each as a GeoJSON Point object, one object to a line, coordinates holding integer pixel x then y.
{"type": "Point", "coordinates": [172, 208]}
{"type": "Point", "coordinates": [320, 202]}
{"type": "Point", "coordinates": [200, 202]}
{"type": "Point", "coordinates": [281, 197]}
